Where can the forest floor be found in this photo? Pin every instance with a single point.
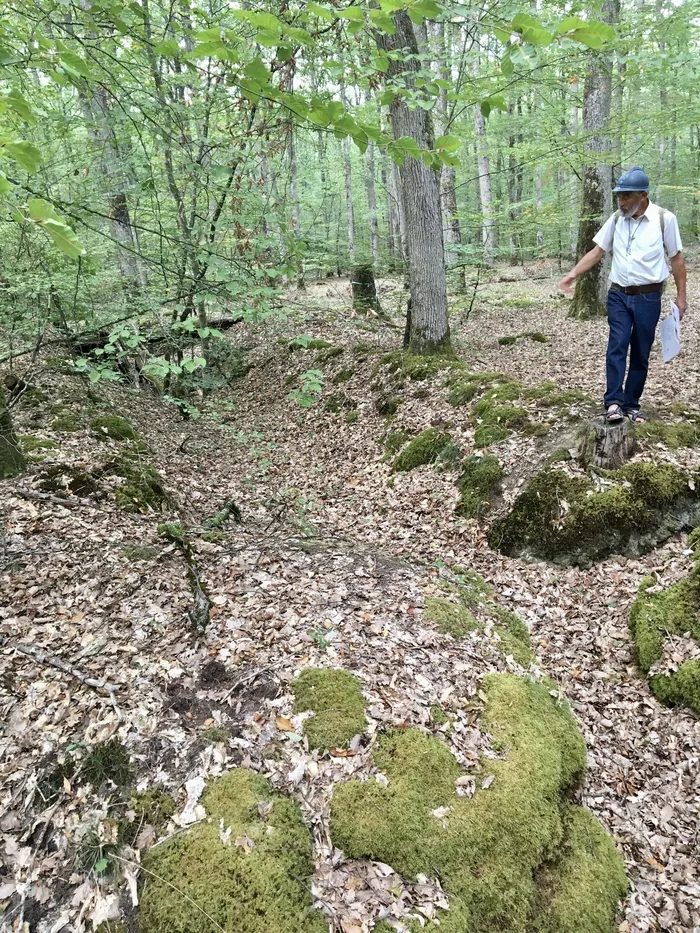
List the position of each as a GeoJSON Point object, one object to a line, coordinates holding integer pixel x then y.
{"type": "Point", "coordinates": [330, 565]}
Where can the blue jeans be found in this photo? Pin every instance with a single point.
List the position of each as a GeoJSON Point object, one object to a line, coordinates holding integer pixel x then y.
{"type": "Point", "coordinates": [632, 320]}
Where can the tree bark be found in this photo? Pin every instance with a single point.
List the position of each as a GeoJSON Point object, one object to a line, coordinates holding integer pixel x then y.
{"type": "Point", "coordinates": [372, 200]}
{"type": "Point", "coordinates": [364, 289]}
{"type": "Point", "coordinates": [11, 456]}
{"type": "Point", "coordinates": [349, 210]}
{"type": "Point", "coordinates": [607, 446]}
{"type": "Point", "coordinates": [589, 296]}
{"type": "Point", "coordinates": [429, 327]}
{"type": "Point", "coordinates": [484, 168]}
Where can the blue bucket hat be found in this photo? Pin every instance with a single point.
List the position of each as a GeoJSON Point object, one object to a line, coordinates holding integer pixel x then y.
{"type": "Point", "coordinates": [634, 179]}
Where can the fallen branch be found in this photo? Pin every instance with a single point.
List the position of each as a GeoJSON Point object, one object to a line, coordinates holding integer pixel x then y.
{"type": "Point", "coordinates": [199, 613]}
{"type": "Point", "coordinates": [67, 503]}
{"type": "Point", "coordinates": [49, 660]}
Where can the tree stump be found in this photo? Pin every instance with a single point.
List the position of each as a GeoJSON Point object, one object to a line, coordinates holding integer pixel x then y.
{"type": "Point", "coordinates": [364, 289]}
{"type": "Point", "coordinates": [605, 445]}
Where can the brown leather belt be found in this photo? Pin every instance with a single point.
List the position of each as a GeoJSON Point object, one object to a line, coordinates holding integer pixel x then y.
{"type": "Point", "coordinates": [638, 289]}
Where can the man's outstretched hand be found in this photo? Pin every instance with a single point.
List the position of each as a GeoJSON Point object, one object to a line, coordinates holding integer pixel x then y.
{"type": "Point", "coordinates": [682, 306]}
{"type": "Point", "coordinates": [566, 284]}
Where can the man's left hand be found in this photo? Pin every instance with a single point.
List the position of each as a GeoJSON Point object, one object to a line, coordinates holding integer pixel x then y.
{"type": "Point", "coordinates": [682, 306]}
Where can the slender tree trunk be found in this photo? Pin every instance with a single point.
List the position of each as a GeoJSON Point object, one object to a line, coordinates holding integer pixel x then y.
{"type": "Point", "coordinates": [11, 456]}
{"type": "Point", "coordinates": [589, 296]}
{"type": "Point", "coordinates": [372, 199]}
{"type": "Point", "coordinates": [484, 167]}
{"type": "Point", "coordinates": [448, 195]}
{"type": "Point", "coordinates": [349, 210]}
{"type": "Point", "coordinates": [429, 330]}
{"type": "Point", "coordinates": [575, 193]}
{"type": "Point", "coordinates": [538, 196]}
{"type": "Point", "coordinates": [391, 232]}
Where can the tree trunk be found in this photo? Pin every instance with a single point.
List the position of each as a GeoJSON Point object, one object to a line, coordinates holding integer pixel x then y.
{"type": "Point", "coordinates": [429, 329]}
{"type": "Point", "coordinates": [538, 196]}
{"type": "Point", "coordinates": [372, 200]}
{"type": "Point", "coordinates": [11, 456]}
{"type": "Point", "coordinates": [448, 196]}
{"type": "Point", "coordinates": [296, 207]}
{"type": "Point", "coordinates": [484, 167]}
{"type": "Point", "coordinates": [607, 446]}
{"type": "Point", "coordinates": [364, 289]}
{"type": "Point", "coordinates": [350, 213]}
{"type": "Point", "coordinates": [589, 297]}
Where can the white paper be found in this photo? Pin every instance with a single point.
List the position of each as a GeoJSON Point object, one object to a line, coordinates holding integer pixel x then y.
{"type": "Point", "coordinates": [671, 334]}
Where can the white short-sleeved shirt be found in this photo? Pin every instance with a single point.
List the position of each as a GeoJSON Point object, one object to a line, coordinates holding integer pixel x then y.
{"type": "Point", "coordinates": [638, 251]}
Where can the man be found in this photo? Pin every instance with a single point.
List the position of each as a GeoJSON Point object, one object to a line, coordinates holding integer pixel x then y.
{"type": "Point", "coordinates": [638, 233]}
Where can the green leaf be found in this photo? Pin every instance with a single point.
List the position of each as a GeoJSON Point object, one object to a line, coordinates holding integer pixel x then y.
{"type": "Point", "coordinates": [25, 154]}
{"type": "Point", "coordinates": [257, 71]}
{"type": "Point", "coordinates": [485, 108]}
{"type": "Point", "coordinates": [587, 38]}
{"type": "Point", "coordinates": [39, 209]}
{"type": "Point", "coordinates": [448, 143]}
{"type": "Point", "coordinates": [5, 186]}
{"type": "Point", "coordinates": [506, 66]}
{"type": "Point", "coordinates": [352, 13]}
{"type": "Point", "coordinates": [75, 63]}
{"type": "Point", "coordinates": [21, 106]}
{"type": "Point", "coordinates": [384, 23]}
{"type": "Point", "coordinates": [317, 10]}
{"type": "Point", "coordinates": [423, 9]}
{"type": "Point", "coordinates": [501, 34]}
{"type": "Point", "coordinates": [391, 6]}
{"type": "Point", "coordinates": [570, 23]}
{"type": "Point", "coordinates": [64, 238]}
{"type": "Point", "coordinates": [531, 30]}
{"type": "Point", "coordinates": [169, 48]}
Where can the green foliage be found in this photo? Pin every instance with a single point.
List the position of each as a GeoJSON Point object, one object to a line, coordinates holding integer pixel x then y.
{"type": "Point", "coordinates": [488, 866]}
{"type": "Point", "coordinates": [256, 881]}
{"type": "Point", "coordinates": [487, 434]}
{"type": "Point", "coordinates": [673, 434]}
{"type": "Point", "coordinates": [417, 368]}
{"type": "Point", "coordinates": [335, 698]}
{"type": "Point", "coordinates": [107, 761]}
{"type": "Point", "coordinates": [310, 388]}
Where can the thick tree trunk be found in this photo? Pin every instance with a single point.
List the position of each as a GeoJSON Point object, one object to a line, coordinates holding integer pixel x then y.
{"type": "Point", "coordinates": [296, 207]}
{"type": "Point", "coordinates": [538, 196]}
{"type": "Point", "coordinates": [429, 328]}
{"type": "Point", "coordinates": [589, 297]}
{"type": "Point", "coordinates": [364, 289]}
{"type": "Point", "coordinates": [11, 456]}
{"type": "Point", "coordinates": [372, 199]}
{"type": "Point", "coordinates": [484, 167]}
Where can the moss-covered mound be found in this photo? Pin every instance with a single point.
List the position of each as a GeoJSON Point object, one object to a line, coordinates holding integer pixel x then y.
{"type": "Point", "coordinates": [656, 616]}
{"type": "Point", "coordinates": [67, 480]}
{"type": "Point", "coordinates": [112, 427]}
{"type": "Point", "coordinates": [471, 605]}
{"type": "Point", "coordinates": [673, 434]}
{"type": "Point", "coordinates": [142, 490]}
{"type": "Point", "coordinates": [569, 520]}
{"type": "Point", "coordinates": [426, 448]}
{"type": "Point", "coordinates": [415, 367]}
{"type": "Point", "coordinates": [335, 698]}
{"type": "Point", "coordinates": [246, 872]}
{"type": "Point", "coordinates": [489, 850]}
{"type": "Point", "coordinates": [477, 483]}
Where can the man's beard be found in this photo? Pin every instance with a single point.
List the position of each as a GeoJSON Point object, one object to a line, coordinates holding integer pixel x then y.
{"type": "Point", "coordinates": [631, 209]}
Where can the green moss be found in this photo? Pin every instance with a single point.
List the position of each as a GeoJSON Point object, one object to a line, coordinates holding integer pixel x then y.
{"type": "Point", "coordinates": [113, 427]}
{"type": "Point", "coordinates": [581, 891]}
{"type": "Point", "coordinates": [477, 482]}
{"type": "Point", "coordinates": [215, 734]}
{"type": "Point", "coordinates": [564, 400]}
{"type": "Point", "coordinates": [694, 539]}
{"type": "Point", "coordinates": [536, 336]}
{"type": "Point", "coordinates": [112, 926]}
{"type": "Point", "coordinates": [438, 716]}
{"type": "Point", "coordinates": [213, 537]}
{"type": "Point", "coordinates": [136, 552]}
{"type": "Point", "coordinates": [330, 354]}
{"type": "Point", "coordinates": [143, 490]}
{"type": "Point", "coordinates": [449, 618]}
{"type": "Point", "coordinates": [335, 698]}
{"type": "Point", "coordinates": [507, 341]}
{"type": "Point", "coordinates": [305, 343]}
{"type": "Point", "coordinates": [488, 850]}
{"type": "Point", "coordinates": [426, 448]}
{"type": "Point", "coordinates": [258, 882]}
{"type": "Point", "coordinates": [416, 367]}
{"type": "Point", "coordinates": [488, 412]}
{"type": "Point", "coordinates": [674, 435]}
{"type": "Point", "coordinates": [387, 405]}
{"type": "Point", "coordinates": [487, 434]}
{"type": "Point", "coordinates": [352, 416]}
{"type": "Point", "coordinates": [654, 617]}
{"type": "Point", "coordinates": [505, 392]}
{"type": "Point", "coordinates": [395, 440]}
{"type": "Point", "coordinates": [30, 443]}
{"type": "Point", "coordinates": [345, 375]}
{"type": "Point", "coordinates": [64, 479]}
{"type": "Point", "coordinates": [462, 393]}
{"type": "Point", "coordinates": [154, 807]}
{"type": "Point", "coordinates": [66, 422]}
{"type": "Point", "coordinates": [564, 518]}
{"type": "Point", "coordinates": [107, 761]}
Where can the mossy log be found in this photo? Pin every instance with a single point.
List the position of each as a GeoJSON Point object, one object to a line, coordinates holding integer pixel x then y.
{"type": "Point", "coordinates": [607, 446]}
{"type": "Point", "coordinates": [364, 289]}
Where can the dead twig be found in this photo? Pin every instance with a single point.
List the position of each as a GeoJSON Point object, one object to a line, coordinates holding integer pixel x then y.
{"type": "Point", "coordinates": [49, 660]}
{"type": "Point", "coordinates": [68, 503]}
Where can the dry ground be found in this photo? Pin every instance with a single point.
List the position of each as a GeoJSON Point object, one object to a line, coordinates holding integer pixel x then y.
{"type": "Point", "coordinates": [330, 566]}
